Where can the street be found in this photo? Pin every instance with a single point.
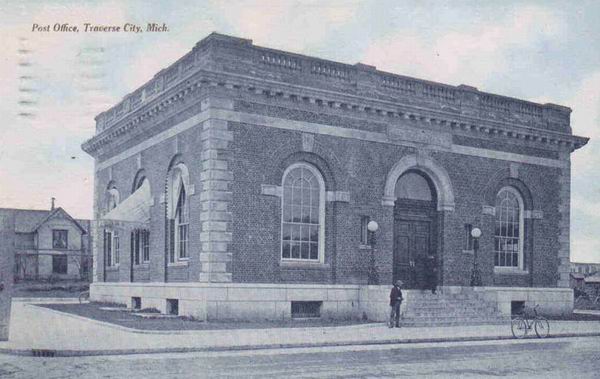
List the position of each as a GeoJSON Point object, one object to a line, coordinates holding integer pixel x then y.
{"type": "Point", "coordinates": [551, 358]}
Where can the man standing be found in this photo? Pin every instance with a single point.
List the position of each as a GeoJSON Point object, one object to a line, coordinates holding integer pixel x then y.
{"type": "Point", "coordinates": [432, 275]}
{"type": "Point", "coordinates": [395, 301]}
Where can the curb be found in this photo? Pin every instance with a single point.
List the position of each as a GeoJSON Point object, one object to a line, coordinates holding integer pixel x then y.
{"type": "Point", "coordinates": [82, 353]}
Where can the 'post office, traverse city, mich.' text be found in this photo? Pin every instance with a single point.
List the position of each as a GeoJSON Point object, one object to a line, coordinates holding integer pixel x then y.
{"type": "Point", "coordinates": [91, 28]}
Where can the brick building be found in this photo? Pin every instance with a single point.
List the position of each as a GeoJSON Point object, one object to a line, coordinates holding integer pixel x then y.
{"type": "Point", "coordinates": [240, 181]}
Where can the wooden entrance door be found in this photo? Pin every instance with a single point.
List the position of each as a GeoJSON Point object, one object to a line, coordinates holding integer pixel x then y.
{"type": "Point", "coordinates": [412, 246]}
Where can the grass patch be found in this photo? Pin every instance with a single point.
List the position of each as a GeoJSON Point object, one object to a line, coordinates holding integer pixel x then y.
{"type": "Point", "coordinates": [131, 320]}
{"type": "Point", "coordinates": [108, 304]}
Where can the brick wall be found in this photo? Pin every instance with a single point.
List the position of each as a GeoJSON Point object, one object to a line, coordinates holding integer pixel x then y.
{"type": "Point", "coordinates": [156, 162]}
{"type": "Point", "coordinates": [257, 155]}
{"type": "Point", "coordinates": [360, 167]}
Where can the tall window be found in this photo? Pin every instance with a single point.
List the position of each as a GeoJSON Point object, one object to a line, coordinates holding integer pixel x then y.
{"type": "Point", "coordinates": [108, 248]}
{"type": "Point", "coordinates": [178, 214]}
{"type": "Point", "coordinates": [364, 230]}
{"type": "Point", "coordinates": [146, 245]}
{"type": "Point", "coordinates": [181, 218]}
{"type": "Point", "coordinates": [508, 236]}
{"type": "Point", "coordinates": [140, 245]}
{"type": "Point", "coordinates": [135, 246]}
{"type": "Point", "coordinates": [112, 248]}
{"type": "Point", "coordinates": [303, 214]}
{"type": "Point", "coordinates": [117, 248]}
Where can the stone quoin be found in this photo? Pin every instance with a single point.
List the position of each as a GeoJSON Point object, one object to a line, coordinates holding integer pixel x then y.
{"type": "Point", "coordinates": [239, 181]}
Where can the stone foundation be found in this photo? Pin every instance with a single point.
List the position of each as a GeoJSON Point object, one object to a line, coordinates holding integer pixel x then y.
{"type": "Point", "coordinates": [236, 301]}
{"type": "Point", "coordinates": [551, 301]}
{"type": "Point", "coordinates": [226, 301]}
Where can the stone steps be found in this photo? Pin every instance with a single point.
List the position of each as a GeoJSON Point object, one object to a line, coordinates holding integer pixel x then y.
{"type": "Point", "coordinates": [450, 309]}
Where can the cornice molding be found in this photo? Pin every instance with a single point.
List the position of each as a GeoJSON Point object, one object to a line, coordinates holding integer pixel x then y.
{"type": "Point", "coordinates": [355, 106]}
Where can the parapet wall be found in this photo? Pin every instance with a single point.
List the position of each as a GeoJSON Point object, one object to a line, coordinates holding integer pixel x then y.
{"type": "Point", "coordinates": [225, 54]}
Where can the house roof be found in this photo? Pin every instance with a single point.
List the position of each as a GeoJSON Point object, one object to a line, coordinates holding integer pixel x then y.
{"type": "Point", "coordinates": [56, 212]}
{"type": "Point", "coordinates": [26, 220]}
{"type": "Point", "coordinates": [29, 220]}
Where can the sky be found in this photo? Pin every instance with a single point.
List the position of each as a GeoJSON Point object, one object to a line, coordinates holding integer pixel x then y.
{"type": "Point", "coordinates": [52, 84]}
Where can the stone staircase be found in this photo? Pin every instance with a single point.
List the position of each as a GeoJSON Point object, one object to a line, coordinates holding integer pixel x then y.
{"type": "Point", "coordinates": [465, 307]}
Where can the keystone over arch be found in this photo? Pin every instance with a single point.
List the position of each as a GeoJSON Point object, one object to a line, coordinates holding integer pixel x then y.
{"type": "Point", "coordinates": [437, 174]}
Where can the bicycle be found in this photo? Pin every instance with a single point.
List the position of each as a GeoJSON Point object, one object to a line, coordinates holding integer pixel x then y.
{"type": "Point", "coordinates": [84, 296]}
{"type": "Point", "coordinates": [521, 325]}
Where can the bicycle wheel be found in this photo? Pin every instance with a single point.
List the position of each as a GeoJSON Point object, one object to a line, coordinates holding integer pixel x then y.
{"type": "Point", "coordinates": [542, 327]}
{"type": "Point", "coordinates": [518, 326]}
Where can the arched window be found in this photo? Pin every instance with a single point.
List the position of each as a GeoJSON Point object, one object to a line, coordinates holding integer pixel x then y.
{"type": "Point", "coordinates": [414, 186]}
{"type": "Point", "coordinates": [138, 180]}
{"type": "Point", "coordinates": [181, 219]}
{"type": "Point", "coordinates": [112, 199]}
{"type": "Point", "coordinates": [303, 214]}
{"type": "Point", "coordinates": [508, 235]}
{"type": "Point", "coordinates": [178, 213]}
{"type": "Point", "coordinates": [139, 183]}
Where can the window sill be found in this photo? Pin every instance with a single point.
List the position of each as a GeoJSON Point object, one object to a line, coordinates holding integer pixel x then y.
{"type": "Point", "coordinates": [142, 265]}
{"type": "Point", "coordinates": [178, 263]}
{"type": "Point", "coordinates": [470, 252]}
{"type": "Point", "coordinates": [365, 247]}
{"type": "Point", "coordinates": [305, 265]}
{"type": "Point", "coordinates": [112, 268]}
{"type": "Point", "coordinates": [510, 271]}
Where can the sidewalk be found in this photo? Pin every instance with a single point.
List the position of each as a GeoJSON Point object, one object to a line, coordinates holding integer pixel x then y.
{"type": "Point", "coordinates": [37, 328]}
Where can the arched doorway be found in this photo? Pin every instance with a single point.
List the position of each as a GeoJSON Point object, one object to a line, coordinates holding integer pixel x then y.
{"type": "Point", "coordinates": [415, 229]}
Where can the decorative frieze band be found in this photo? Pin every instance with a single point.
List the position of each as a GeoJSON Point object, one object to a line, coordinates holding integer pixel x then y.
{"type": "Point", "coordinates": [534, 214]}
{"type": "Point", "coordinates": [277, 191]}
{"type": "Point", "coordinates": [488, 210]}
{"type": "Point", "coordinates": [271, 190]}
{"type": "Point", "coordinates": [383, 109]}
{"type": "Point", "coordinates": [341, 196]}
